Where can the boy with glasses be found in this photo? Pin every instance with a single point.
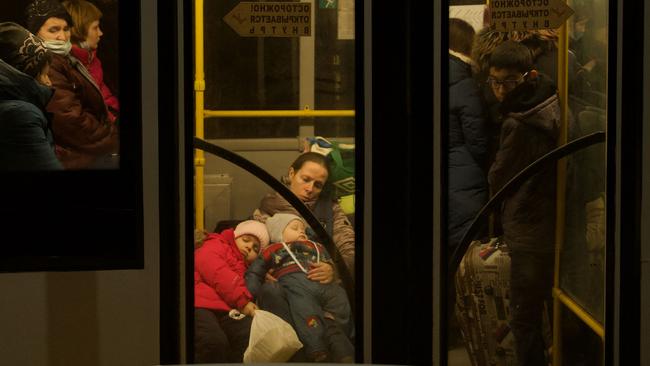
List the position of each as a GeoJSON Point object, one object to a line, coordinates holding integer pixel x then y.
{"type": "Point", "coordinates": [531, 116]}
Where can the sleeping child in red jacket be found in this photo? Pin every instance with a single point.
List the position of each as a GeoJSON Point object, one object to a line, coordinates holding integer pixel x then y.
{"type": "Point", "coordinates": [221, 299]}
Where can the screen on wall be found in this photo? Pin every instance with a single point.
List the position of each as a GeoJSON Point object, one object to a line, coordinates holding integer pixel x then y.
{"type": "Point", "coordinates": [70, 135]}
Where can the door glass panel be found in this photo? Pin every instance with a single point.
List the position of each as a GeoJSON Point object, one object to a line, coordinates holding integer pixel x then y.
{"type": "Point", "coordinates": [255, 62]}
{"type": "Point", "coordinates": [335, 63]}
{"type": "Point", "coordinates": [509, 264]}
{"type": "Point", "coordinates": [583, 253]}
{"type": "Point", "coordinates": [248, 73]}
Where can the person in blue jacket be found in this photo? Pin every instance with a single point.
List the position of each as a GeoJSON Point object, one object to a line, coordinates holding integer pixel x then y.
{"type": "Point", "coordinates": [26, 141]}
{"type": "Point", "coordinates": [291, 255]}
{"type": "Point", "coordinates": [468, 188]}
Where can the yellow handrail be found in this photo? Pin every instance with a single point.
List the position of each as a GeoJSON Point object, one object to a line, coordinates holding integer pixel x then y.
{"type": "Point", "coordinates": [563, 91]}
{"type": "Point", "coordinates": [559, 297]}
{"type": "Point", "coordinates": [199, 90]}
{"type": "Point", "coordinates": [580, 312]}
{"type": "Point", "coordinates": [279, 113]}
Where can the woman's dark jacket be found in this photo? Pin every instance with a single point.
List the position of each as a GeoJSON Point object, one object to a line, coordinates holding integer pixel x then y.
{"type": "Point", "coordinates": [25, 138]}
{"type": "Point", "coordinates": [529, 130]}
{"type": "Point", "coordinates": [467, 147]}
{"type": "Point", "coordinates": [82, 130]}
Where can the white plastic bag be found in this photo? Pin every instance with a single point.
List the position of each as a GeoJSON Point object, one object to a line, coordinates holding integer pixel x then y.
{"type": "Point", "coordinates": [271, 340]}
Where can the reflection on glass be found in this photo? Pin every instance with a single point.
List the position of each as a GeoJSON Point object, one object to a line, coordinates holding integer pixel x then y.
{"type": "Point", "coordinates": [79, 120]}
{"type": "Point", "coordinates": [583, 254]}
{"type": "Point", "coordinates": [25, 140]}
{"type": "Point", "coordinates": [497, 278]}
{"type": "Point", "coordinates": [264, 73]}
{"type": "Point", "coordinates": [580, 344]}
{"type": "Point", "coordinates": [248, 73]}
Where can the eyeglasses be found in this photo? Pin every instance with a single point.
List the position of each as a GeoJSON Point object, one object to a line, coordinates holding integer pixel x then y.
{"type": "Point", "coordinates": [508, 83]}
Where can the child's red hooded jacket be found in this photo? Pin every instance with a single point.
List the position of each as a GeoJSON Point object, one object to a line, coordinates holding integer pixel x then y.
{"type": "Point", "coordinates": [219, 269]}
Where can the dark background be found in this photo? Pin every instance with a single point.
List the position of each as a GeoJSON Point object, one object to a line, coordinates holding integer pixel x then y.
{"type": "Point", "coordinates": [402, 182]}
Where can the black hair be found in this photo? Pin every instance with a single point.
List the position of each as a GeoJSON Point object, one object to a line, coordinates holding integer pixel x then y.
{"type": "Point", "coordinates": [512, 55]}
{"type": "Point", "coordinates": [461, 36]}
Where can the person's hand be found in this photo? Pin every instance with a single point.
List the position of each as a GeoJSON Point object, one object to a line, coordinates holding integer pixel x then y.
{"type": "Point", "coordinates": [249, 309]}
{"type": "Point", "coordinates": [321, 272]}
{"type": "Point", "coordinates": [269, 277]}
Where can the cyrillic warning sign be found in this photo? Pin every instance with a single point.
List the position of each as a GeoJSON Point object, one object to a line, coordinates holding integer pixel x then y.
{"type": "Point", "coordinates": [509, 15]}
{"type": "Point", "coordinates": [270, 19]}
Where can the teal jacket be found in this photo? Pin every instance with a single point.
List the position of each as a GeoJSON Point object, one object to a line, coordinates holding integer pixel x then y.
{"type": "Point", "coordinates": [26, 141]}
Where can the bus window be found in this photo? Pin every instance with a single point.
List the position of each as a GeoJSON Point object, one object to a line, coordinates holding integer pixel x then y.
{"type": "Point", "coordinates": [269, 73]}
{"type": "Point", "coordinates": [582, 256]}
{"type": "Point", "coordinates": [280, 86]}
{"type": "Point", "coordinates": [506, 87]}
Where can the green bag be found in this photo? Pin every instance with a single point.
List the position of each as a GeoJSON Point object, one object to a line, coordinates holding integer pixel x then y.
{"type": "Point", "coordinates": [341, 157]}
{"type": "Point", "coordinates": [342, 169]}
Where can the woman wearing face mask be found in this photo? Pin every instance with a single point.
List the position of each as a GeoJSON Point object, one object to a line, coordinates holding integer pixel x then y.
{"type": "Point", "coordinates": [84, 135]}
{"type": "Point", "coordinates": [85, 36]}
{"type": "Point", "coordinates": [25, 137]}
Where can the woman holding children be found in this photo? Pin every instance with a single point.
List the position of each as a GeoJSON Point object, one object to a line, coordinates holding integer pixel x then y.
{"type": "Point", "coordinates": [213, 339]}
{"type": "Point", "coordinates": [306, 178]}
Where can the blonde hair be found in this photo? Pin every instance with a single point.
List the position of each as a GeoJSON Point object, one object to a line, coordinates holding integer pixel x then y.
{"type": "Point", "coordinates": [83, 13]}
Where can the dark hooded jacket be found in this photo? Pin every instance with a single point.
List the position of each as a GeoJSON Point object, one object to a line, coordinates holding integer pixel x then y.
{"type": "Point", "coordinates": [529, 130]}
{"type": "Point", "coordinates": [543, 45]}
{"type": "Point", "coordinates": [25, 138]}
{"type": "Point", "coordinates": [467, 147]}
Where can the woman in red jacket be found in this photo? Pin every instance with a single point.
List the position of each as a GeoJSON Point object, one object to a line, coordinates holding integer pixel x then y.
{"type": "Point", "coordinates": [221, 299]}
{"type": "Point", "coordinates": [85, 37]}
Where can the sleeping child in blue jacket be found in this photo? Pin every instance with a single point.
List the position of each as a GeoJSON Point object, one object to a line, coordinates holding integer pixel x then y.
{"type": "Point", "coordinates": [290, 257]}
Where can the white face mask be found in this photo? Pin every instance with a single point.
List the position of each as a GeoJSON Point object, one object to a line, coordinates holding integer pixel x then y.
{"type": "Point", "coordinates": [59, 47]}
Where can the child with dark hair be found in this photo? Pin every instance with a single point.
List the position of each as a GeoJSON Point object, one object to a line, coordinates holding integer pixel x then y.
{"type": "Point", "coordinates": [531, 117]}
{"type": "Point", "coordinates": [320, 311]}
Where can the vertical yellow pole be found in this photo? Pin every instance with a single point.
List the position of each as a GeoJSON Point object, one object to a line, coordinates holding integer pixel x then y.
{"type": "Point", "coordinates": [199, 89]}
{"type": "Point", "coordinates": [563, 89]}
